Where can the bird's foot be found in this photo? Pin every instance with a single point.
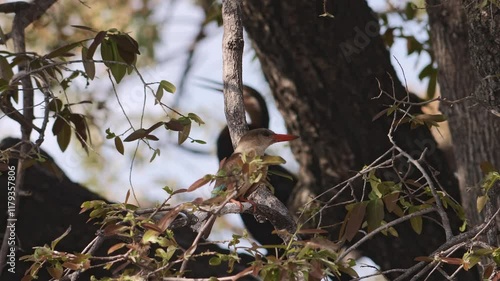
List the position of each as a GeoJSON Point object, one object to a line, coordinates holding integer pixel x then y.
{"type": "Point", "coordinates": [254, 205]}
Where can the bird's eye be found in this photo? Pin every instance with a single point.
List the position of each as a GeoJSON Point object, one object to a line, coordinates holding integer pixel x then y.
{"type": "Point", "coordinates": [267, 134]}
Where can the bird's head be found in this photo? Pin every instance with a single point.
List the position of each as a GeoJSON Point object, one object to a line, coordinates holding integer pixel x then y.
{"type": "Point", "coordinates": [259, 140]}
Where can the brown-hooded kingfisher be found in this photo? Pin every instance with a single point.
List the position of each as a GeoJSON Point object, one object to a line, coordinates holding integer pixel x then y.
{"type": "Point", "coordinates": [239, 174]}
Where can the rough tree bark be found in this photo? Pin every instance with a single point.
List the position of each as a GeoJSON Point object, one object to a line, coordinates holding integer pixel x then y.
{"type": "Point", "coordinates": [468, 70]}
{"type": "Point", "coordinates": [323, 72]}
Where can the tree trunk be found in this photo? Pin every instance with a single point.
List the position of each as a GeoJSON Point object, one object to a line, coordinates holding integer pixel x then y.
{"type": "Point", "coordinates": [323, 72]}
{"type": "Point", "coordinates": [463, 71]}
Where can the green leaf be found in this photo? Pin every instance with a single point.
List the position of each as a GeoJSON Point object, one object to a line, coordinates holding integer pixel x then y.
{"type": "Point", "coordinates": [119, 145]}
{"type": "Point", "coordinates": [63, 50]}
{"type": "Point", "coordinates": [158, 95]}
{"type": "Point", "coordinates": [56, 241]}
{"type": "Point", "coordinates": [195, 118]}
{"type": "Point", "coordinates": [82, 27]}
{"type": "Point", "coordinates": [199, 141]}
{"type": "Point", "coordinates": [167, 86]}
{"type": "Point", "coordinates": [157, 152]}
{"type": "Point", "coordinates": [410, 11]}
{"type": "Point", "coordinates": [88, 65]}
{"type": "Point", "coordinates": [481, 202]}
{"type": "Point", "coordinates": [127, 47]}
{"type": "Point", "coordinates": [426, 71]}
{"type": "Point", "coordinates": [388, 37]}
{"type": "Point", "coordinates": [109, 53]}
{"type": "Point", "coordinates": [109, 134]}
{"type": "Point", "coordinates": [416, 224]}
{"type": "Point", "coordinates": [81, 128]}
{"type": "Point", "coordinates": [431, 87]}
{"type": "Point", "coordinates": [168, 189]}
{"type": "Point", "coordinates": [374, 213]}
{"type": "Point", "coordinates": [6, 72]}
{"type": "Point", "coordinates": [64, 136]}
{"type": "Point", "coordinates": [93, 46]}
{"type": "Point", "coordinates": [214, 261]}
{"type": "Point", "coordinates": [489, 180]}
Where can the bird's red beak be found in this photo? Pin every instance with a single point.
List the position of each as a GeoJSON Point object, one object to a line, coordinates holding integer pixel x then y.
{"type": "Point", "coordinates": [280, 137]}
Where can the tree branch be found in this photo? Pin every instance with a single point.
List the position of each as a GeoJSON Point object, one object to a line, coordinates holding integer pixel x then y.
{"type": "Point", "coordinates": [232, 54]}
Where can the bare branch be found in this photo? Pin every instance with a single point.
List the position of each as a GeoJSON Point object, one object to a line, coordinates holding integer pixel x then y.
{"type": "Point", "coordinates": [232, 53]}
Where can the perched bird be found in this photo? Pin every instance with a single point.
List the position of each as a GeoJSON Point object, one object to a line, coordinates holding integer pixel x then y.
{"type": "Point", "coordinates": [246, 167]}
{"type": "Point", "coordinates": [281, 180]}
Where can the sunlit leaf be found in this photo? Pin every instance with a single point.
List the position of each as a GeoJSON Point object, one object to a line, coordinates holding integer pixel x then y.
{"type": "Point", "coordinates": [167, 86]}
{"type": "Point", "coordinates": [214, 261]}
{"type": "Point", "coordinates": [116, 247]}
{"type": "Point", "coordinates": [196, 118]}
{"type": "Point", "coordinates": [272, 160]}
{"type": "Point", "coordinates": [199, 141]}
{"type": "Point", "coordinates": [481, 202]}
{"type": "Point", "coordinates": [374, 213]}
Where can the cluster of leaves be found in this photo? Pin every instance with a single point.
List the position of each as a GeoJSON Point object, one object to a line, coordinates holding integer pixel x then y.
{"type": "Point", "coordinates": [144, 242]}
{"type": "Point", "coordinates": [312, 259]}
{"type": "Point", "coordinates": [240, 172]}
{"type": "Point", "coordinates": [412, 15]}
{"type": "Point", "coordinates": [54, 261]}
{"type": "Point", "coordinates": [389, 196]}
{"type": "Point", "coordinates": [491, 177]}
{"type": "Point", "coordinates": [470, 259]}
{"type": "Point", "coordinates": [415, 120]}
{"type": "Point", "coordinates": [119, 54]}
